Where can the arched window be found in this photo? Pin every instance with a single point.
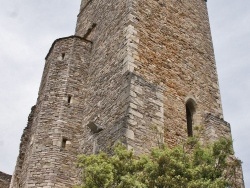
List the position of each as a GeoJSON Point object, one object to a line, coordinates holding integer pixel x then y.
{"type": "Point", "coordinates": [190, 110]}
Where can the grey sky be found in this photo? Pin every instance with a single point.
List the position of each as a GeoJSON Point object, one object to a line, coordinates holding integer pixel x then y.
{"type": "Point", "coordinates": [28, 28]}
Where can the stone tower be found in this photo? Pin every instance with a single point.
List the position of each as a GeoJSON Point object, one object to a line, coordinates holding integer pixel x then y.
{"type": "Point", "coordinates": [139, 71]}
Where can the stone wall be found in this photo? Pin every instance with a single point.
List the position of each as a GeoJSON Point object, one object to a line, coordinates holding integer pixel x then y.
{"type": "Point", "coordinates": [56, 125]}
{"type": "Point", "coordinates": [175, 51]}
{"type": "Point", "coordinates": [24, 152]}
{"type": "Point", "coordinates": [145, 123]}
{"type": "Point", "coordinates": [214, 129]}
{"type": "Point", "coordinates": [4, 180]}
{"type": "Point", "coordinates": [108, 83]}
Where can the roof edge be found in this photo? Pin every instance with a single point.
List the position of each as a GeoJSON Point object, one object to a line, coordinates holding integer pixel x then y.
{"type": "Point", "coordinates": [63, 38]}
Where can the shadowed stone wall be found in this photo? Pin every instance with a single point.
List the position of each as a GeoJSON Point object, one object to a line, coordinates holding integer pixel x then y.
{"type": "Point", "coordinates": [107, 101]}
{"type": "Point", "coordinates": [4, 180]}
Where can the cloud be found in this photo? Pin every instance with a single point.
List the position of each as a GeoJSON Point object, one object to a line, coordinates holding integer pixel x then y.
{"type": "Point", "coordinates": [231, 37]}
{"type": "Point", "coordinates": [1, 143]}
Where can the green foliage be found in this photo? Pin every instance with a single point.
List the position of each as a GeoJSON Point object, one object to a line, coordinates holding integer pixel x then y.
{"type": "Point", "coordinates": [190, 165]}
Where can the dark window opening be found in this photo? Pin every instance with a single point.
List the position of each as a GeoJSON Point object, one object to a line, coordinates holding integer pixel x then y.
{"type": "Point", "coordinates": [94, 127]}
{"type": "Point", "coordinates": [90, 32]}
{"type": "Point", "coordinates": [64, 142]}
{"type": "Point", "coordinates": [190, 110]}
{"type": "Point", "coordinates": [63, 56]}
{"type": "Point", "coordinates": [69, 99]}
{"type": "Point", "coordinates": [189, 122]}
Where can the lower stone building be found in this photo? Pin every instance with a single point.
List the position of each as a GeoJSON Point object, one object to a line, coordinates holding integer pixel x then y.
{"type": "Point", "coordinates": [4, 180]}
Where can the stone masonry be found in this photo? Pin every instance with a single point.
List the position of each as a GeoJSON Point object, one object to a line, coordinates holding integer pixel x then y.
{"type": "Point", "coordinates": [4, 180]}
{"type": "Point", "coordinates": [141, 72]}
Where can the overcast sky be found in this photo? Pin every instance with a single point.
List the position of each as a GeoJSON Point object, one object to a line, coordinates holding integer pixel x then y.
{"type": "Point", "coordinates": [28, 28]}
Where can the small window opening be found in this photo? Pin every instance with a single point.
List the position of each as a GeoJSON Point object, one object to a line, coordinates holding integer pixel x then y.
{"type": "Point", "coordinates": [69, 99]}
{"type": "Point", "coordinates": [190, 110]}
{"type": "Point", "coordinates": [189, 122]}
{"type": "Point", "coordinates": [90, 32]}
{"type": "Point", "coordinates": [94, 127]}
{"type": "Point", "coordinates": [64, 142]}
{"type": "Point", "coordinates": [63, 56]}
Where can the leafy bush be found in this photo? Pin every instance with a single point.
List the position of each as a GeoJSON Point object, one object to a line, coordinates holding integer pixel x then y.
{"type": "Point", "coordinates": [189, 165]}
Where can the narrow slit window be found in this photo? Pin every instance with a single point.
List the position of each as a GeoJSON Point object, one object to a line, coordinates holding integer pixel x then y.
{"type": "Point", "coordinates": [190, 110]}
{"type": "Point", "coordinates": [189, 122]}
{"type": "Point", "coordinates": [64, 142]}
{"type": "Point", "coordinates": [69, 99]}
{"type": "Point", "coordinates": [90, 32]}
{"type": "Point", "coordinates": [63, 56]}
